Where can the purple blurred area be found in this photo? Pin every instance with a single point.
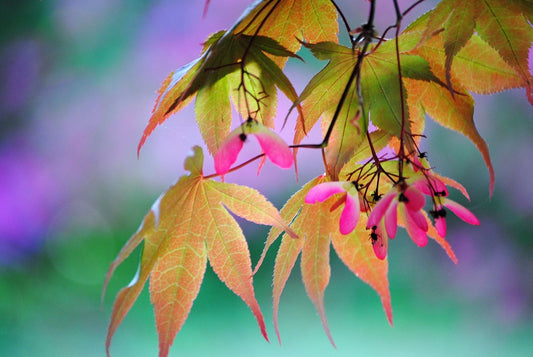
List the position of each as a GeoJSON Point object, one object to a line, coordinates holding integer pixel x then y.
{"type": "Point", "coordinates": [78, 81]}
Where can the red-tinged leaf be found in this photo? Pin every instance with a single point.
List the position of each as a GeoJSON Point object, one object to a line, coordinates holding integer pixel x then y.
{"type": "Point", "coordinates": [229, 256]}
{"type": "Point", "coordinates": [226, 246]}
{"type": "Point", "coordinates": [249, 204]}
{"type": "Point", "coordinates": [147, 226]}
{"type": "Point", "coordinates": [315, 223]}
{"type": "Point", "coordinates": [288, 252]}
{"type": "Point", "coordinates": [157, 227]}
{"type": "Point", "coordinates": [173, 96]}
{"type": "Point", "coordinates": [187, 224]}
{"type": "Point", "coordinates": [451, 112]}
{"type": "Point", "coordinates": [481, 70]}
{"type": "Point", "coordinates": [315, 256]}
{"type": "Point", "coordinates": [356, 252]}
{"type": "Point", "coordinates": [319, 21]}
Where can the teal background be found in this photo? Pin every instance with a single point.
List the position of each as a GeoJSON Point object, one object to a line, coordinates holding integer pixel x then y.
{"type": "Point", "coordinates": [78, 80]}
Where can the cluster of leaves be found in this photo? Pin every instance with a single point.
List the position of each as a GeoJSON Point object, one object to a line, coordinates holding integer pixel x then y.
{"type": "Point", "coordinates": [371, 95]}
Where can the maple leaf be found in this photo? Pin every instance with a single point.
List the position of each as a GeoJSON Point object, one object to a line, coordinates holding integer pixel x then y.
{"type": "Point", "coordinates": [317, 226]}
{"type": "Point", "coordinates": [477, 68]}
{"type": "Point", "coordinates": [188, 225]}
{"type": "Point", "coordinates": [221, 72]}
{"type": "Point", "coordinates": [322, 94]}
{"type": "Point", "coordinates": [380, 91]}
{"type": "Point", "coordinates": [290, 20]}
{"type": "Point", "coordinates": [248, 44]}
{"type": "Point", "coordinates": [501, 23]}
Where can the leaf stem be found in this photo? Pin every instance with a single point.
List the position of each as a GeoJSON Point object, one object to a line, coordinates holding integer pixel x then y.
{"type": "Point", "coordinates": [344, 20]}
{"type": "Point", "coordinates": [401, 152]}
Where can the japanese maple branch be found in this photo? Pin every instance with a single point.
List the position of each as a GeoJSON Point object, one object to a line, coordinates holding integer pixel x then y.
{"type": "Point", "coordinates": [355, 73]}
{"type": "Point", "coordinates": [401, 152]}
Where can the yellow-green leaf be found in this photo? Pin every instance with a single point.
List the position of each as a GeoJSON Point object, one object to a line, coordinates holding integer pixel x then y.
{"type": "Point", "coordinates": [188, 225]}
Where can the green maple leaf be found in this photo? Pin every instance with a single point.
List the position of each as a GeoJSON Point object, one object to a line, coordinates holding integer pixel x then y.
{"type": "Point", "coordinates": [380, 89]}
{"type": "Point", "coordinates": [186, 227]}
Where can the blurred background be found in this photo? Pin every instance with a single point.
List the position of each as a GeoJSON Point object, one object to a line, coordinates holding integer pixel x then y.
{"type": "Point", "coordinates": [78, 81]}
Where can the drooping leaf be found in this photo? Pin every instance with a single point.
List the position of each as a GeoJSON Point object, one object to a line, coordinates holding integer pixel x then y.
{"type": "Point", "coordinates": [501, 23]}
{"type": "Point", "coordinates": [213, 112]}
{"type": "Point", "coordinates": [173, 96]}
{"type": "Point", "coordinates": [314, 229]}
{"type": "Point", "coordinates": [289, 249]}
{"type": "Point", "coordinates": [289, 211]}
{"type": "Point", "coordinates": [355, 250]}
{"type": "Point", "coordinates": [315, 224]}
{"type": "Point", "coordinates": [315, 256]}
{"type": "Point", "coordinates": [451, 112]}
{"type": "Point", "coordinates": [188, 225]}
{"type": "Point", "coordinates": [347, 135]}
{"type": "Point", "coordinates": [477, 67]}
{"type": "Point", "coordinates": [381, 86]}
{"type": "Point", "coordinates": [231, 64]}
{"type": "Point", "coordinates": [458, 17]}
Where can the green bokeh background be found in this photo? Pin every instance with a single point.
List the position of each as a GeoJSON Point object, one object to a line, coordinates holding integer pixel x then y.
{"type": "Point", "coordinates": [78, 80]}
